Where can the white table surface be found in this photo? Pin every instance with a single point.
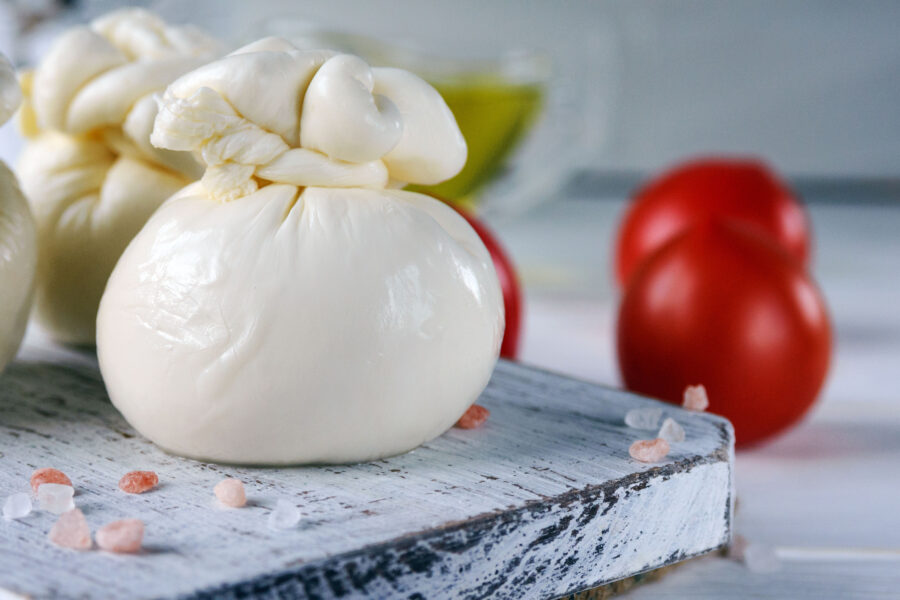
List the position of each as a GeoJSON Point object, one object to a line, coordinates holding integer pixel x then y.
{"type": "Point", "coordinates": [824, 495]}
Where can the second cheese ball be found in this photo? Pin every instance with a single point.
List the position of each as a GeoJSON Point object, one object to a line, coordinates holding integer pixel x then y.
{"type": "Point", "coordinates": [89, 171]}
{"type": "Point", "coordinates": [17, 237]}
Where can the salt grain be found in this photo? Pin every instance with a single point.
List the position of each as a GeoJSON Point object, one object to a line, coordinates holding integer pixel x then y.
{"type": "Point", "coordinates": [671, 431]}
{"type": "Point", "coordinates": [760, 558]}
{"type": "Point", "coordinates": [71, 531]}
{"type": "Point", "coordinates": [649, 451]}
{"type": "Point", "coordinates": [643, 418]}
{"type": "Point", "coordinates": [474, 417]}
{"type": "Point", "coordinates": [285, 515]}
{"type": "Point", "coordinates": [695, 398]}
{"type": "Point", "coordinates": [56, 498]}
{"type": "Point", "coordinates": [123, 537]}
{"type": "Point", "coordinates": [138, 482]}
{"type": "Point", "coordinates": [48, 475]}
{"type": "Point", "coordinates": [17, 506]}
{"type": "Point", "coordinates": [230, 492]}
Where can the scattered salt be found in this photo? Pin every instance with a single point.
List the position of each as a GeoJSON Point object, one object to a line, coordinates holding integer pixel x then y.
{"type": "Point", "coordinates": [761, 558]}
{"type": "Point", "coordinates": [671, 431]}
{"type": "Point", "coordinates": [649, 451]}
{"type": "Point", "coordinates": [123, 536]}
{"type": "Point", "coordinates": [474, 417]}
{"type": "Point", "coordinates": [71, 531]}
{"type": "Point", "coordinates": [285, 515]}
{"type": "Point", "coordinates": [48, 475]}
{"type": "Point", "coordinates": [17, 506]}
{"type": "Point", "coordinates": [230, 492]}
{"type": "Point", "coordinates": [138, 482]}
{"type": "Point", "coordinates": [643, 418]}
{"type": "Point", "coordinates": [695, 398]}
{"type": "Point", "coordinates": [56, 498]}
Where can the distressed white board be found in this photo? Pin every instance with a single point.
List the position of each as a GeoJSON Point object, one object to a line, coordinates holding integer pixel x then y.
{"type": "Point", "coordinates": [542, 501]}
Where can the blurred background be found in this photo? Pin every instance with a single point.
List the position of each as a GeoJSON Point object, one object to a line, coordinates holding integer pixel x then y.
{"type": "Point", "coordinates": [567, 107]}
{"type": "Point", "coordinates": [812, 86]}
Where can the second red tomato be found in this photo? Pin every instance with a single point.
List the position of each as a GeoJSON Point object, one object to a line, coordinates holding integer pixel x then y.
{"type": "Point", "coordinates": [723, 306]}
{"type": "Point", "coordinates": [509, 283]}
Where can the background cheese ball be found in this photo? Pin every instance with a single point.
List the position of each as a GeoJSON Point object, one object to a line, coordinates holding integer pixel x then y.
{"type": "Point", "coordinates": [18, 249]}
{"type": "Point", "coordinates": [18, 257]}
{"type": "Point", "coordinates": [89, 171]}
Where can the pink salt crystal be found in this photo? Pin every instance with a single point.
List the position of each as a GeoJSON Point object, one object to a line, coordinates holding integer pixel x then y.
{"type": "Point", "coordinates": [48, 475]}
{"type": "Point", "coordinates": [230, 492]}
{"type": "Point", "coordinates": [138, 482]}
{"type": "Point", "coordinates": [71, 531]}
{"type": "Point", "coordinates": [695, 398]}
{"type": "Point", "coordinates": [474, 417]}
{"type": "Point", "coordinates": [123, 537]}
{"type": "Point", "coordinates": [649, 451]}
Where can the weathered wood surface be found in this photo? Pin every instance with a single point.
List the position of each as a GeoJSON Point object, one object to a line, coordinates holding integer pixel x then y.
{"type": "Point", "coordinates": [542, 501]}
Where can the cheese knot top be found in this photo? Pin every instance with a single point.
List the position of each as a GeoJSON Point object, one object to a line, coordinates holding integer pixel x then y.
{"type": "Point", "coordinates": [101, 79]}
{"type": "Point", "coordinates": [270, 113]}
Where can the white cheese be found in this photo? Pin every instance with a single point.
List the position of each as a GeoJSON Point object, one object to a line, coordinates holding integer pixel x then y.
{"type": "Point", "coordinates": [288, 308]}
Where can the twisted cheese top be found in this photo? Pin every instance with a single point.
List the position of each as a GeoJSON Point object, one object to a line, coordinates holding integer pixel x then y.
{"type": "Point", "coordinates": [270, 113]}
{"type": "Point", "coordinates": [102, 78]}
{"type": "Point", "coordinates": [10, 94]}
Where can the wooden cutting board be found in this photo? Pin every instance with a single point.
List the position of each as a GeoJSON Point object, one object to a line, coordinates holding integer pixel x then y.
{"type": "Point", "coordinates": [542, 501]}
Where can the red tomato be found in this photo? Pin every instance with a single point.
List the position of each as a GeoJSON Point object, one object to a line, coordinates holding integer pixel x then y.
{"type": "Point", "coordinates": [724, 306]}
{"type": "Point", "coordinates": [744, 190]}
{"type": "Point", "coordinates": [512, 292]}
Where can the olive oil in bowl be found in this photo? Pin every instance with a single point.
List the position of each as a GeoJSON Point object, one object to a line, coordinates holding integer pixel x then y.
{"type": "Point", "coordinates": [494, 116]}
